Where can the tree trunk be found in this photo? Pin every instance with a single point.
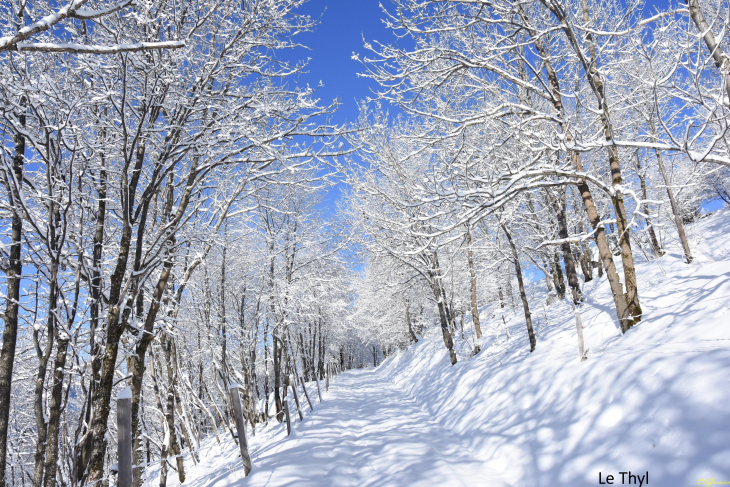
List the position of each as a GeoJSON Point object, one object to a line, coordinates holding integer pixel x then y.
{"type": "Point", "coordinates": [523, 295]}
{"type": "Point", "coordinates": [414, 338]}
{"type": "Point", "coordinates": [558, 276]}
{"type": "Point", "coordinates": [559, 206]}
{"type": "Point", "coordinates": [41, 423]}
{"type": "Point", "coordinates": [52, 428]}
{"type": "Point", "coordinates": [435, 276]}
{"type": "Point", "coordinates": [584, 260]}
{"type": "Point", "coordinates": [266, 370]}
{"type": "Point", "coordinates": [675, 208]}
{"type": "Point", "coordinates": [473, 276]}
{"type": "Point", "coordinates": [627, 256]}
{"type": "Point", "coordinates": [138, 363]}
{"type": "Point", "coordinates": [84, 448]}
{"type": "Point", "coordinates": [546, 270]}
{"type": "Point", "coordinates": [277, 380]}
{"type": "Point", "coordinates": [170, 410]}
{"type": "Point", "coordinates": [631, 298]}
{"type": "Point", "coordinates": [604, 251]}
{"type": "Point", "coordinates": [620, 301]}
{"type": "Point", "coordinates": [645, 209]}
{"type": "Point", "coordinates": [54, 419]}
{"type": "Point", "coordinates": [14, 273]}
{"type": "Point", "coordinates": [101, 400]}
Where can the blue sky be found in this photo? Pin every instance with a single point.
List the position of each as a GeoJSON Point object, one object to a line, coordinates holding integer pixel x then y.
{"type": "Point", "coordinates": [343, 25]}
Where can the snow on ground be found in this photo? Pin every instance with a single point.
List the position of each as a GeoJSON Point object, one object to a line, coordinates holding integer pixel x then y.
{"type": "Point", "coordinates": [366, 432]}
{"type": "Point", "coordinates": [655, 400]}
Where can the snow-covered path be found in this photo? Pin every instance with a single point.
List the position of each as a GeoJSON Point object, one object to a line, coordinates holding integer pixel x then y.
{"type": "Point", "coordinates": [367, 432]}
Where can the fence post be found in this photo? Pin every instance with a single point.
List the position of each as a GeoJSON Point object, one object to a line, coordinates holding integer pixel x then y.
{"type": "Point", "coordinates": [319, 392]}
{"type": "Point", "coordinates": [296, 397]}
{"type": "Point", "coordinates": [240, 428]}
{"type": "Point", "coordinates": [304, 386]}
{"type": "Point", "coordinates": [579, 327]}
{"type": "Point", "coordinates": [124, 437]}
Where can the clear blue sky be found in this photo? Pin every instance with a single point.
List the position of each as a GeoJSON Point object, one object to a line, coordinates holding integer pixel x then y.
{"type": "Point", "coordinates": [343, 25]}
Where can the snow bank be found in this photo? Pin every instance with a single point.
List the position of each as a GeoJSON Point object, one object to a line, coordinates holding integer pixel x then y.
{"type": "Point", "coordinates": [656, 399]}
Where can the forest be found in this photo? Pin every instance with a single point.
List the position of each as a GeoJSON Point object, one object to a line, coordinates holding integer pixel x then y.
{"type": "Point", "coordinates": [168, 225]}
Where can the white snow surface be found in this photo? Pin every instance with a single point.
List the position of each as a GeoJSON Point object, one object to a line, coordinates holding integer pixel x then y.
{"type": "Point", "coordinates": [655, 400]}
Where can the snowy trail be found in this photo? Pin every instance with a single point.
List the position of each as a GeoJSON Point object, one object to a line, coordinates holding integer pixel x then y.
{"type": "Point", "coordinates": [367, 432]}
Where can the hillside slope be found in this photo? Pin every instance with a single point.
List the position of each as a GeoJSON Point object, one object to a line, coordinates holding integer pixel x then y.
{"type": "Point", "coordinates": [655, 400]}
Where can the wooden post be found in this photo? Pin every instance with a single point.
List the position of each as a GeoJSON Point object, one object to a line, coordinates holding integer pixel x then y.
{"type": "Point", "coordinates": [319, 391]}
{"type": "Point", "coordinates": [579, 326]}
{"type": "Point", "coordinates": [124, 437]}
{"type": "Point", "coordinates": [240, 428]}
{"type": "Point", "coordinates": [296, 397]}
{"type": "Point", "coordinates": [288, 419]}
{"type": "Point", "coordinates": [286, 407]}
{"type": "Point", "coordinates": [304, 386]}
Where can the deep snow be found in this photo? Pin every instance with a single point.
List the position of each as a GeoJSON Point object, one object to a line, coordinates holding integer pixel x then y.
{"type": "Point", "coordinates": [655, 400]}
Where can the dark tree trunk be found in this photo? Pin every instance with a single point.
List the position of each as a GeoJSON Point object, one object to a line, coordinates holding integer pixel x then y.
{"type": "Point", "coordinates": [170, 410]}
{"type": "Point", "coordinates": [413, 336]}
{"type": "Point", "coordinates": [675, 208]}
{"type": "Point", "coordinates": [559, 206]}
{"type": "Point", "coordinates": [266, 370]}
{"type": "Point", "coordinates": [586, 265]}
{"type": "Point", "coordinates": [138, 363]}
{"type": "Point", "coordinates": [277, 380]}
{"type": "Point", "coordinates": [645, 209]}
{"type": "Point", "coordinates": [623, 310]}
{"type": "Point", "coordinates": [54, 419]}
{"type": "Point", "coordinates": [557, 271]}
{"type": "Point", "coordinates": [43, 358]}
{"type": "Point", "coordinates": [14, 273]}
{"type": "Point", "coordinates": [523, 295]}
{"type": "Point", "coordinates": [443, 313]}
{"type": "Point", "coordinates": [84, 447]}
